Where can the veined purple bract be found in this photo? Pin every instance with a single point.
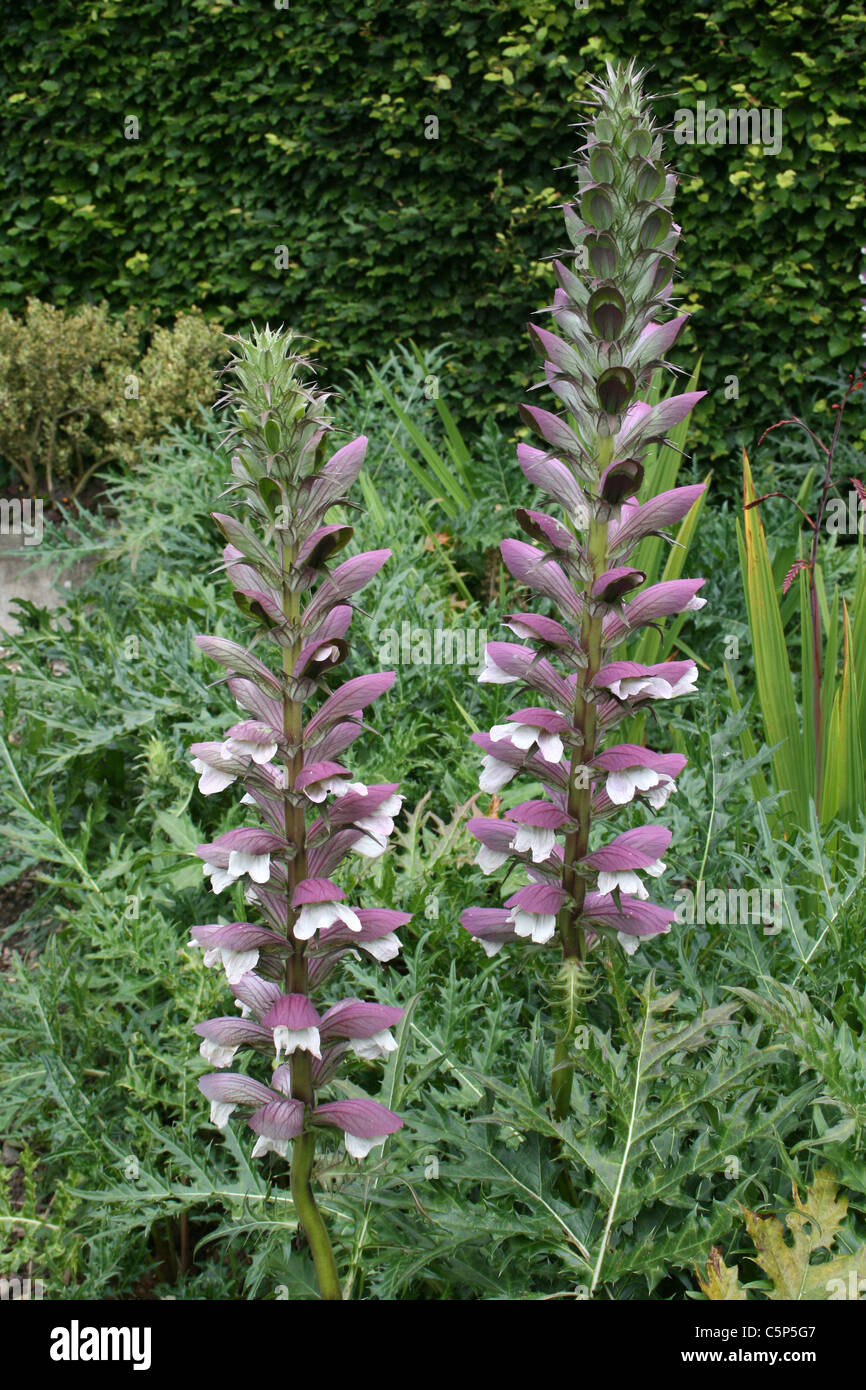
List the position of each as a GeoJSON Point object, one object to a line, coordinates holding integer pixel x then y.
{"type": "Point", "coordinates": [307, 811]}
{"type": "Point", "coordinates": [611, 336]}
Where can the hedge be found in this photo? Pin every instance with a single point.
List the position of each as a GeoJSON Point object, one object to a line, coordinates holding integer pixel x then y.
{"type": "Point", "coordinates": [305, 126]}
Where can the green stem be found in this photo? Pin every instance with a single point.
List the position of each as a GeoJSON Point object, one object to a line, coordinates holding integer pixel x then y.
{"type": "Point", "coordinates": [312, 1223]}
{"type": "Point", "coordinates": [296, 980]}
{"type": "Point", "coordinates": [561, 1081]}
{"type": "Point", "coordinates": [579, 796]}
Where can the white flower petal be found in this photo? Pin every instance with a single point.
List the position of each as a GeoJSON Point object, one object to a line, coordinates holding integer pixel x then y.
{"type": "Point", "coordinates": [219, 878]}
{"type": "Point", "coordinates": [376, 1046]}
{"type": "Point", "coordinates": [659, 795]}
{"type": "Point", "coordinates": [492, 674]}
{"type": "Point", "coordinates": [220, 1110]}
{"type": "Point", "coordinates": [258, 866]}
{"type": "Point", "coordinates": [290, 1040]}
{"type": "Point", "coordinates": [357, 1147]}
{"type": "Point", "coordinates": [628, 943]}
{"type": "Point", "coordinates": [489, 860]}
{"type": "Point", "coordinates": [523, 736]}
{"type": "Point", "coordinates": [534, 840]}
{"type": "Point", "coordinates": [265, 1145]}
{"type": "Point", "coordinates": [217, 1055]}
{"type": "Point", "coordinates": [625, 880]}
{"type": "Point", "coordinates": [212, 779]}
{"type": "Point", "coordinates": [550, 746]}
{"type": "Point", "coordinates": [370, 848]}
{"type": "Point", "coordinates": [495, 774]}
{"type": "Point", "coordinates": [237, 963]}
{"type": "Point", "coordinates": [539, 927]}
{"type": "Point", "coordinates": [347, 915]}
{"type": "Point", "coordinates": [314, 917]}
{"type": "Point", "coordinates": [385, 947]}
{"type": "Point", "coordinates": [490, 948]}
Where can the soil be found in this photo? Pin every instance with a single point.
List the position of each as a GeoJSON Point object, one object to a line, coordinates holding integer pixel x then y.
{"type": "Point", "coordinates": [92, 498]}
{"type": "Point", "coordinates": [20, 577]}
{"type": "Point", "coordinates": [17, 897]}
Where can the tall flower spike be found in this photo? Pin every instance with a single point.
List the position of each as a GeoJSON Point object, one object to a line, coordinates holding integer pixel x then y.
{"type": "Point", "coordinates": [609, 342]}
{"type": "Point", "coordinates": [310, 811]}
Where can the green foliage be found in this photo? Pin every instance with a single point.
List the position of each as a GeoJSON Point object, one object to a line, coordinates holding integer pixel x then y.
{"type": "Point", "coordinates": [76, 391]}
{"type": "Point", "coordinates": [261, 128]}
{"type": "Point", "coordinates": [810, 674]}
{"type": "Point", "coordinates": [835, 1053]}
{"type": "Point", "coordinates": [684, 1109]}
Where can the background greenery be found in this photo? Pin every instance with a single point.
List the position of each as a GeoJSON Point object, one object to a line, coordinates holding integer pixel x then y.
{"type": "Point", "coordinates": [263, 127]}
{"type": "Point", "coordinates": [118, 1186]}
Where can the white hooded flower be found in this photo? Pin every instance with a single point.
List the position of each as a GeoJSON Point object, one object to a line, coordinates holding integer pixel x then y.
{"type": "Point", "coordinates": [384, 948]}
{"type": "Point", "coordinates": [337, 785]}
{"type": "Point", "coordinates": [219, 878]}
{"type": "Point", "coordinates": [376, 1046]}
{"type": "Point", "coordinates": [659, 795]}
{"type": "Point", "coordinates": [627, 881]}
{"type": "Point", "coordinates": [266, 1145]}
{"type": "Point", "coordinates": [628, 943]}
{"type": "Point", "coordinates": [248, 748]}
{"type": "Point", "coordinates": [371, 845]}
{"type": "Point", "coordinates": [258, 866]}
{"type": "Point", "coordinates": [621, 786]}
{"type": "Point", "coordinates": [315, 917]}
{"type": "Point", "coordinates": [655, 687]}
{"type": "Point", "coordinates": [494, 774]}
{"type": "Point", "coordinates": [534, 840]}
{"type": "Point", "coordinates": [357, 1147]}
{"type": "Point", "coordinates": [212, 779]}
{"type": "Point", "coordinates": [537, 926]}
{"type": "Point", "coordinates": [220, 1112]}
{"type": "Point", "coordinates": [489, 860]}
{"type": "Point", "coordinates": [235, 963]}
{"type": "Point", "coordinates": [216, 1054]}
{"type": "Point", "coordinates": [290, 1040]}
{"type": "Point", "coordinates": [492, 674]}
{"type": "Point", "coordinates": [523, 736]}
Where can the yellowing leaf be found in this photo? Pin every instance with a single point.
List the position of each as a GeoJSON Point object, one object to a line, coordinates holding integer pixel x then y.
{"type": "Point", "coordinates": [722, 1284]}
{"type": "Point", "coordinates": [813, 1225]}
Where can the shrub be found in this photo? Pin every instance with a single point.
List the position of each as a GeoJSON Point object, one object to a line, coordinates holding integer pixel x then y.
{"type": "Point", "coordinates": [207, 135]}
{"type": "Point", "coordinates": [76, 392]}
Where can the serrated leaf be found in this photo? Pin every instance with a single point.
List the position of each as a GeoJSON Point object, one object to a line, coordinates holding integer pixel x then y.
{"type": "Point", "coordinates": [722, 1284]}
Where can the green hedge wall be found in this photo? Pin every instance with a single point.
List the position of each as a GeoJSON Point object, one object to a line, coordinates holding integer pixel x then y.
{"type": "Point", "coordinates": [299, 125]}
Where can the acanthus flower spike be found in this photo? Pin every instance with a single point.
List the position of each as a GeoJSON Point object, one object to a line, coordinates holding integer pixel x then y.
{"type": "Point", "coordinates": [284, 752]}
{"type": "Point", "coordinates": [610, 313]}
